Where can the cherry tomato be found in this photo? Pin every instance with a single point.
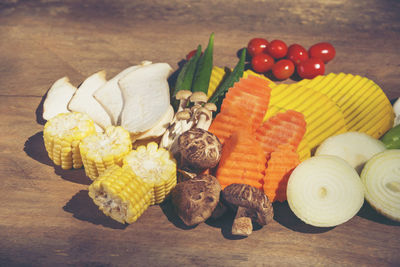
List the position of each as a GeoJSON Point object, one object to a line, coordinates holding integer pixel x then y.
{"type": "Point", "coordinates": [257, 46]}
{"type": "Point", "coordinates": [262, 63]}
{"type": "Point", "coordinates": [311, 68]}
{"type": "Point", "coordinates": [277, 49]}
{"type": "Point", "coordinates": [297, 53]}
{"type": "Point", "coordinates": [191, 54]}
{"type": "Point", "coordinates": [283, 69]}
{"type": "Point", "coordinates": [324, 51]}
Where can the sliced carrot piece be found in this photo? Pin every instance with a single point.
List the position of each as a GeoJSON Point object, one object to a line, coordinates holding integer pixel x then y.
{"type": "Point", "coordinates": [228, 121]}
{"type": "Point", "coordinates": [284, 128]}
{"type": "Point", "coordinates": [234, 167]}
{"type": "Point", "coordinates": [279, 167]}
{"type": "Point", "coordinates": [251, 94]}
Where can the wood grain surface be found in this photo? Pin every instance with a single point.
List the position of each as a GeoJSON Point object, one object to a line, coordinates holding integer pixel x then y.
{"type": "Point", "coordinates": [46, 216]}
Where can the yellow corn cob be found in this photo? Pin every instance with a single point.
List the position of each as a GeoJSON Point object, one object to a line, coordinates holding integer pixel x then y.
{"type": "Point", "coordinates": [365, 106]}
{"type": "Point", "coordinates": [324, 118]}
{"type": "Point", "coordinates": [120, 194]}
{"type": "Point", "coordinates": [102, 150]}
{"type": "Point", "coordinates": [62, 135]}
{"type": "Point", "coordinates": [156, 167]}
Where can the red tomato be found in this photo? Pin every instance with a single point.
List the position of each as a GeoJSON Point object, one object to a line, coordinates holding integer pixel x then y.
{"type": "Point", "coordinates": [311, 68]}
{"type": "Point", "coordinates": [297, 53]}
{"type": "Point", "coordinates": [262, 63]}
{"type": "Point", "coordinates": [277, 49]}
{"type": "Point", "coordinates": [324, 51]}
{"type": "Point", "coordinates": [257, 46]}
{"type": "Point", "coordinates": [191, 54]}
{"type": "Point", "coordinates": [283, 69]}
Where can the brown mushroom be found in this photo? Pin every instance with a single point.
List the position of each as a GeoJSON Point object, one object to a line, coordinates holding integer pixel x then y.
{"type": "Point", "coordinates": [183, 96]}
{"type": "Point", "coordinates": [252, 206]}
{"type": "Point", "coordinates": [195, 199]}
{"type": "Point", "coordinates": [199, 150]}
{"type": "Point", "coordinates": [198, 98]}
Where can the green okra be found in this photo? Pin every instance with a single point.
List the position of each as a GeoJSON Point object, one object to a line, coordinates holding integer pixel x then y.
{"type": "Point", "coordinates": [391, 139]}
{"type": "Point", "coordinates": [204, 67]}
{"type": "Point", "coordinates": [233, 77]}
{"type": "Point", "coordinates": [185, 77]}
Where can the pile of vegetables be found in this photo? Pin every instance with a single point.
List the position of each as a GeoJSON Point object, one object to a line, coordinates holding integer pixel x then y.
{"type": "Point", "coordinates": [229, 139]}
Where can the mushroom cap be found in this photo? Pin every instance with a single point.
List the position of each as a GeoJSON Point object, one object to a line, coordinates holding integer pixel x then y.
{"type": "Point", "coordinates": [203, 110]}
{"type": "Point", "coordinates": [195, 199]}
{"type": "Point", "coordinates": [183, 115]}
{"type": "Point", "coordinates": [199, 149]}
{"type": "Point", "coordinates": [183, 94]}
{"type": "Point", "coordinates": [198, 97]}
{"type": "Point", "coordinates": [251, 198]}
{"type": "Point", "coordinates": [210, 106]}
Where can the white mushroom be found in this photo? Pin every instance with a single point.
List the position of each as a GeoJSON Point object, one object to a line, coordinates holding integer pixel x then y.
{"type": "Point", "coordinates": [183, 97]}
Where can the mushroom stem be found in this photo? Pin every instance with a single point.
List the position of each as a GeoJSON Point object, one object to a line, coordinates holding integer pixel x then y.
{"type": "Point", "coordinates": [242, 224]}
{"type": "Point", "coordinates": [204, 118]}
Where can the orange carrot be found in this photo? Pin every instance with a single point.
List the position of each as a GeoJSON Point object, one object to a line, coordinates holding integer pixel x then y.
{"type": "Point", "coordinates": [228, 121]}
{"type": "Point", "coordinates": [284, 128]}
{"type": "Point", "coordinates": [279, 167]}
{"type": "Point", "coordinates": [251, 94]}
{"type": "Point", "coordinates": [244, 106]}
{"type": "Point", "coordinates": [242, 160]}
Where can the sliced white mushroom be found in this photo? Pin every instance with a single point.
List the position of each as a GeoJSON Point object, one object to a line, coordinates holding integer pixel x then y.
{"type": "Point", "coordinates": [160, 127]}
{"type": "Point", "coordinates": [57, 98]}
{"type": "Point", "coordinates": [146, 97]}
{"type": "Point", "coordinates": [109, 95]}
{"type": "Point", "coordinates": [83, 100]}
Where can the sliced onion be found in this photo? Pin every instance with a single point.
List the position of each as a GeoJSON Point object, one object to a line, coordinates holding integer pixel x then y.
{"type": "Point", "coordinates": [354, 147]}
{"type": "Point", "coordinates": [325, 191]}
{"type": "Point", "coordinates": [381, 178]}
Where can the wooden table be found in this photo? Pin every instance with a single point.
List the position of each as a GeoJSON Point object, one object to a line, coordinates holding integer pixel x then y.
{"type": "Point", "coordinates": [46, 216]}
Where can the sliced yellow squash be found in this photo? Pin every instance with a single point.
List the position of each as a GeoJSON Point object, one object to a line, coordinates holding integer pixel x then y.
{"type": "Point", "coordinates": [323, 116]}
{"type": "Point", "coordinates": [365, 106]}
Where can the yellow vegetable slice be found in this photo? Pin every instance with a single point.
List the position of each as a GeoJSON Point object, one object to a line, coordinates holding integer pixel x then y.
{"type": "Point", "coordinates": [364, 105]}
{"type": "Point", "coordinates": [323, 116]}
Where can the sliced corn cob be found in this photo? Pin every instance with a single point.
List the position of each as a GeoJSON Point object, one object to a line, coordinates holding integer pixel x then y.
{"type": "Point", "coordinates": [62, 135]}
{"type": "Point", "coordinates": [120, 194]}
{"type": "Point", "coordinates": [102, 150]}
{"type": "Point", "coordinates": [156, 167]}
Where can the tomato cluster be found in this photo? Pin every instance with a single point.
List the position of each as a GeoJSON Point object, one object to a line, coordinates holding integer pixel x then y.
{"type": "Point", "coordinates": [282, 61]}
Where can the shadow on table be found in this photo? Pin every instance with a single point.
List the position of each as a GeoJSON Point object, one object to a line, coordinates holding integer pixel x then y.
{"type": "Point", "coordinates": [35, 149]}
{"type": "Point", "coordinates": [367, 212]}
{"type": "Point", "coordinates": [285, 216]}
{"type": "Point", "coordinates": [282, 214]}
{"type": "Point", "coordinates": [82, 208]}
{"type": "Point", "coordinates": [169, 211]}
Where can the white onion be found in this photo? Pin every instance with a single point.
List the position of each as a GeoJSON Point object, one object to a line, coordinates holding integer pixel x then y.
{"type": "Point", "coordinates": [354, 147]}
{"type": "Point", "coordinates": [381, 178]}
{"type": "Point", "coordinates": [325, 191]}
